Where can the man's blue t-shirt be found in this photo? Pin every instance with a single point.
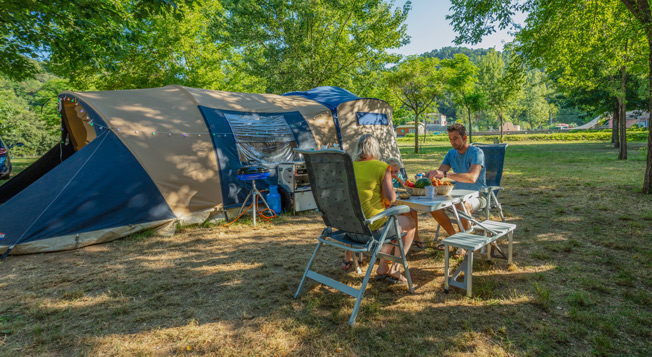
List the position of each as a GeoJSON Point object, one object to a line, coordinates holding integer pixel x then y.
{"type": "Point", "coordinates": [461, 163]}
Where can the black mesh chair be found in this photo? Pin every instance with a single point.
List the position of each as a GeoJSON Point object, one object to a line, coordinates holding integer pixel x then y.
{"type": "Point", "coordinates": [494, 158]}
{"type": "Point", "coordinates": [333, 184]}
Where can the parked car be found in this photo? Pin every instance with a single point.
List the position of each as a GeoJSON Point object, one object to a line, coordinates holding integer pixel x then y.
{"type": "Point", "coordinates": [5, 162]}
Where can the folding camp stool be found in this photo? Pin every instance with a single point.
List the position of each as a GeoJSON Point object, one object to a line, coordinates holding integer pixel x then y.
{"type": "Point", "coordinates": [492, 231]}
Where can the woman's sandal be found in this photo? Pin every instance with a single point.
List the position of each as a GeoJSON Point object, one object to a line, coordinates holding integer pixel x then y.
{"type": "Point", "coordinates": [400, 279]}
{"type": "Point", "coordinates": [346, 264]}
{"type": "Point", "coordinates": [419, 244]}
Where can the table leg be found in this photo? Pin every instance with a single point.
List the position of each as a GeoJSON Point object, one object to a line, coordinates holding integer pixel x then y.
{"type": "Point", "coordinates": [446, 268]}
{"type": "Point", "coordinates": [509, 247]}
{"type": "Point", "coordinates": [469, 271]}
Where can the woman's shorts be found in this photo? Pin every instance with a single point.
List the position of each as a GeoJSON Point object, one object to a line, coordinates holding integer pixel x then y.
{"type": "Point", "coordinates": [377, 233]}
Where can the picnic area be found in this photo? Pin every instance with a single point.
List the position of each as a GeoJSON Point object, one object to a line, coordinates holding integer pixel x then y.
{"type": "Point", "coordinates": [580, 280]}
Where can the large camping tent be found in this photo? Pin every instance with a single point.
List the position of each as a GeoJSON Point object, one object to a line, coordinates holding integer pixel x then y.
{"type": "Point", "coordinates": [136, 159]}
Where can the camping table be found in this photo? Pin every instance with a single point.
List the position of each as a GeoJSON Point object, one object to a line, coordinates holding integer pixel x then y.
{"type": "Point", "coordinates": [423, 204]}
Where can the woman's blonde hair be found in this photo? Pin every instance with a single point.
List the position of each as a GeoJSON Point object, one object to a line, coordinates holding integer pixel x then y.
{"type": "Point", "coordinates": [366, 148]}
{"type": "Point", "coordinates": [392, 161]}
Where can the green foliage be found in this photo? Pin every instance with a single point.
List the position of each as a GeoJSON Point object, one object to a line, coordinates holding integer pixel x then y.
{"type": "Point", "coordinates": [533, 108]}
{"type": "Point", "coordinates": [300, 45]}
{"type": "Point", "coordinates": [450, 52]}
{"type": "Point", "coordinates": [461, 83]}
{"type": "Point", "coordinates": [69, 33]}
{"type": "Point", "coordinates": [473, 19]}
{"type": "Point", "coordinates": [591, 45]}
{"type": "Point", "coordinates": [501, 84]}
{"type": "Point", "coordinates": [29, 115]}
{"type": "Point", "coordinates": [415, 83]}
{"type": "Point", "coordinates": [164, 49]}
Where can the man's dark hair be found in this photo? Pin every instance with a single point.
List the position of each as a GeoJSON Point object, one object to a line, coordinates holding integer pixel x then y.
{"type": "Point", "coordinates": [459, 128]}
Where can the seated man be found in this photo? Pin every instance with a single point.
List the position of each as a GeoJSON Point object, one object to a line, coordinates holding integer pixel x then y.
{"type": "Point", "coordinates": [468, 165]}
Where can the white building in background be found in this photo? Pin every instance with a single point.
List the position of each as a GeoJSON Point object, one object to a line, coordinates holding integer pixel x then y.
{"type": "Point", "coordinates": [436, 122]}
{"type": "Point", "coordinates": [511, 127]}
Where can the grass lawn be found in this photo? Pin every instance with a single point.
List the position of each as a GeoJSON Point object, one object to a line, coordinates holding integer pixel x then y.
{"type": "Point", "coordinates": [581, 281]}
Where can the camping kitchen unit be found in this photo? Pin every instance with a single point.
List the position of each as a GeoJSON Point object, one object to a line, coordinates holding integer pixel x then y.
{"type": "Point", "coordinates": [293, 177]}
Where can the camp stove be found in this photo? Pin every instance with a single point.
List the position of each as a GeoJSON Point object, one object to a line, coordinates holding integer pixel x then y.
{"type": "Point", "coordinates": [293, 177]}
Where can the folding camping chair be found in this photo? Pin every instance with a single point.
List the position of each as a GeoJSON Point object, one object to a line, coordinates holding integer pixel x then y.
{"type": "Point", "coordinates": [494, 158]}
{"type": "Point", "coordinates": [334, 187]}
{"type": "Point", "coordinates": [471, 241]}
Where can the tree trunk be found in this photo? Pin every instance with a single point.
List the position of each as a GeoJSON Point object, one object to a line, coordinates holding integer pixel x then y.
{"type": "Point", "coordinates": [647, 180]}
{"type": "Point", "coordinates": [622, 127]}
{"type": "Point", "coordinates": [500, 116]}
{"type": "Point", "coordinates": [425, 129]}
{"type": "Point", "coordinates": [615, 125]}
{"type": "Point", "coordinates": [468, 111]}
{"type": "Point", "coordinates": [416, 133]}
{"type": "Point", "coordinates": [641, 10]}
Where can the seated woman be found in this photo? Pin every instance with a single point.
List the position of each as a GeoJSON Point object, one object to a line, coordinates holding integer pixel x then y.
{"type": "Point", "coordinates": [399, 182]}
{"type": "Point", "coordinates": [374, 182]}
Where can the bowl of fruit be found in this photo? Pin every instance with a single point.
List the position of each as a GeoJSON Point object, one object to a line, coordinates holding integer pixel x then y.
{"type": "Point", "coordinates": [444, 187]}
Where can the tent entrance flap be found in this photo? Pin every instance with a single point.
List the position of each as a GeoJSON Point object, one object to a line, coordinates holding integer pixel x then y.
{"type": "Point", "coordinates": [245, 138]}
{"type": "Point", "coordinates": [79, 120]}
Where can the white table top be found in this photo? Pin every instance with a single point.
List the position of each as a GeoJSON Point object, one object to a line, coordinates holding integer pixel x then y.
{"type": "Point", "coordinates": [421, 203]}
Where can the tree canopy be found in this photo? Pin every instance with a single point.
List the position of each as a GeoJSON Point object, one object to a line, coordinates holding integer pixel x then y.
{"type": "Point", "coordinates": [72, 32]}
{"type": "Point", "coordinates": [416, 83]}
{"type": "Point", "coordinates": [590, 39]}
{"type": "Point", "coordinates": [299, 45]}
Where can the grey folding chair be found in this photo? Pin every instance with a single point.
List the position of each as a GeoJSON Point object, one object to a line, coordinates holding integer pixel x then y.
{"type": "Point", "coordinates": [332, 180]}
{"type": "Point", "coordinates": [494, 158]}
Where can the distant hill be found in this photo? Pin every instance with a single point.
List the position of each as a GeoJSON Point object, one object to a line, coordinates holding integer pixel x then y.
{"type": "Point", "coordinates": [449, 52]}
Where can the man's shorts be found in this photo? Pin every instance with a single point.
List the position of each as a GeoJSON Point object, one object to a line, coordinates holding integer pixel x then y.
{"type": "Point", "coordinates": [477, 203]}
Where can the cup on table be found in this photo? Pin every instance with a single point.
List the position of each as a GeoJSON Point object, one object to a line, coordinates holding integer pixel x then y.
{"type": "Point", "coordinates": [430, 191]}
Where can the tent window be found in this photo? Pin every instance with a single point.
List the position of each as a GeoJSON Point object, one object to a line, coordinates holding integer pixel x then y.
{"type": "Point", "coordinates": [371, 118]}
{"type": "Point", "coordinates": [262, 139]}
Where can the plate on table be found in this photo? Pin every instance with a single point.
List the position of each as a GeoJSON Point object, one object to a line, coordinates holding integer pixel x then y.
{"type": "Point", "coordinates": [402, 193]}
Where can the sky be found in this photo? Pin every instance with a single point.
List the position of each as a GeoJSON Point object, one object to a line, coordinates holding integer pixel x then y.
{"type": "Point", "coordinates": [428, 29]}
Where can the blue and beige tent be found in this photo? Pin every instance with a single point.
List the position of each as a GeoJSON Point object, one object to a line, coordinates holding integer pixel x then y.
{"type": "Point", "coordinates": [139, 159]}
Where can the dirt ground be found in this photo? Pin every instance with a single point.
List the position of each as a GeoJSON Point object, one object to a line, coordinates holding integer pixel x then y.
{"type": "Point", "coordinates": [206, 290]}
